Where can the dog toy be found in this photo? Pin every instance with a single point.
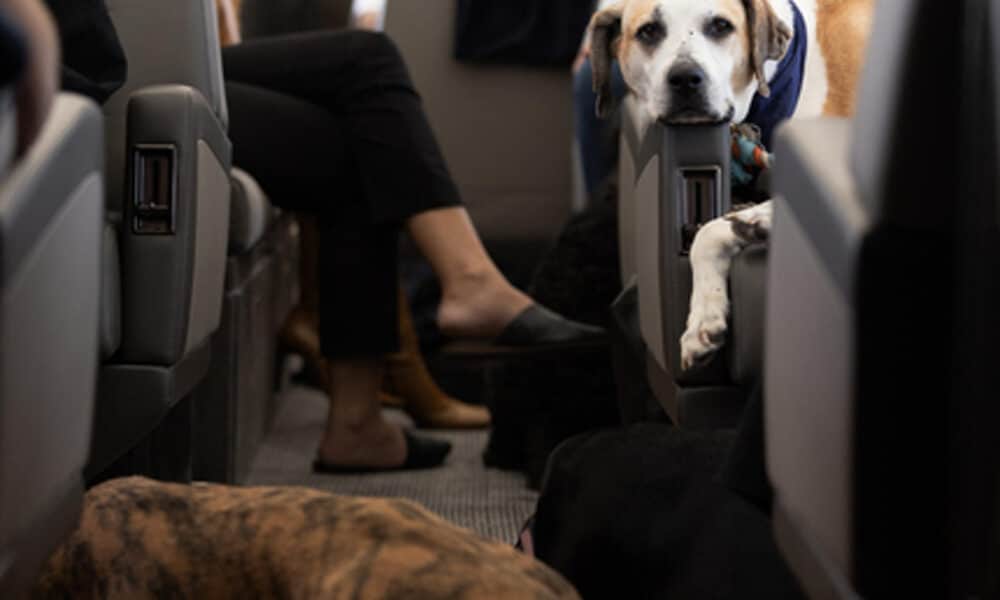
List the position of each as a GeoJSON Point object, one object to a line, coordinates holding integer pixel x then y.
{"type": "Point", "coordinates": [750, 157]}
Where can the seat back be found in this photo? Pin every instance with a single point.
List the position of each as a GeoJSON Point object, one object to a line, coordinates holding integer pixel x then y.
{"type": "Point", "coordinates": [168, 163]}
{"type": "Point", "coordinates": [673, 179]}
{"type": "Point", "coordinates": [51, 227]}
{"type": "Point", "coordinates": [505, 131]}
{"type": "Point", "coordinates": [880, 366]}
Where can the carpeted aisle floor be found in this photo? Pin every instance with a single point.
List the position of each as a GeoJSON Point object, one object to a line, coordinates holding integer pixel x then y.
{"type": "Point", "coordinates": [490, 502]}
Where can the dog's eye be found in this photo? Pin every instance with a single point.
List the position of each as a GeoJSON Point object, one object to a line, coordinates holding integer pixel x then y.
{"type": "Point", "coordinates": [719, 28]}
{"type": "Point", "coordinates": [651, 33]}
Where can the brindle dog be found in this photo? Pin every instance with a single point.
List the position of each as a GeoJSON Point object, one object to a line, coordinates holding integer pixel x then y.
{"type": "Point", "coordinates": [144, 539]}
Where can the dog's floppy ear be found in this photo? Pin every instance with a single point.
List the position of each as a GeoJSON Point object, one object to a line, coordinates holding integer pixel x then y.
{"type": "Point", "coordinates": [605, 35]}
{"type": "Point", "coordinates": [769, 39]}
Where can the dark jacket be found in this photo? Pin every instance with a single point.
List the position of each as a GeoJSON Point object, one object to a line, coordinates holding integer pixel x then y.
{"type": "Point", "coordinates": [93, 60]}
{"type": "Point", "coordinates": [12, 51]}
{"type": "Point", "coordinates": [527, 32]}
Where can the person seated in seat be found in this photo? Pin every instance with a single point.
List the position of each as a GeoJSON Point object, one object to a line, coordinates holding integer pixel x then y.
{"type": "Point", "coordinates": [407, 382]}
{"type": "Point", "coordinates": [330, 124]}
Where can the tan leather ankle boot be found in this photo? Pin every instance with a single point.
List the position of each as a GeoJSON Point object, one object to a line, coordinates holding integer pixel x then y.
{"type": "Point", "coordinates": [407, 379]}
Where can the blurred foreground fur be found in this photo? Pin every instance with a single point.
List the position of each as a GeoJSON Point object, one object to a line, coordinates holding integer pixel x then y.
{"type": "Point", "coordinates": [144, 539]}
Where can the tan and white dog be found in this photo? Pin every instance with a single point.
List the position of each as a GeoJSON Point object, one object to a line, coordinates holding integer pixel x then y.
{"type": "Point", "coordinates": [692, 61]}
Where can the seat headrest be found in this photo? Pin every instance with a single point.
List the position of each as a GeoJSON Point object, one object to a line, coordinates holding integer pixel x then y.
{"type": "Point", "coordinates": [170, 42]}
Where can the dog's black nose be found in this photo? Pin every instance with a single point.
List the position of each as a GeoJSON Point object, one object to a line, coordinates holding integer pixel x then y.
{"type": "Point", "coordinates": [686, 78]}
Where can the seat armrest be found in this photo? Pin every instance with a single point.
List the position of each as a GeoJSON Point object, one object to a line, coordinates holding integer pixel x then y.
{"type": "Point", "coordinates": [682, 181]}
{"type": "Point", "coordinates": [175, 246]}
{"type": "Point", "coordinates": [748, 295]}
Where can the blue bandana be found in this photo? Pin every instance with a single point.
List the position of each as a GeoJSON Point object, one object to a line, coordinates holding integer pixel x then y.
{"type": "Point", "coordinates": [768, 113]}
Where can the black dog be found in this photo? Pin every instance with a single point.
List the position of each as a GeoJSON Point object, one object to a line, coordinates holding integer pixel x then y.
{"type": "Point", "coordinates": [650, 512]}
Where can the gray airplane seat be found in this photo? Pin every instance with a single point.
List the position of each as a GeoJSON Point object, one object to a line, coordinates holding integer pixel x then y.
{"type": "Point", "coordinates": [675, 179]}
{"type": "Point", "coordinates": [168, 164]}
{"type": "Point", "coordinates": [881, 379]}
{"type": "Point", "coordinates": [523, 113]}
{"type": "Point", "coordinates": [51, 226]}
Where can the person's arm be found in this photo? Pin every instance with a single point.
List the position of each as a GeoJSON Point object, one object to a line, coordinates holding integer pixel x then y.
{"type": "Point", "coordinates": [37, 87]}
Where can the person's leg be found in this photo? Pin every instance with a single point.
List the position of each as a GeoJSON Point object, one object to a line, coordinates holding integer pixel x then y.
{"type": "Point", "coordinates": [476, 299]}
{"type": "Point", "coordinates": [361, 77]}
{"type": "Point", "coordinates": [277, 138]}
{"type": "Point", "coordinates": [356, 434]}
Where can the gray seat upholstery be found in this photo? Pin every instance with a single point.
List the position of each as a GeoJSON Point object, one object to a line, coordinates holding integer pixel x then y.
{"type": "Point", "coordinates": [876, 398]}
{"type": "Point", "coordinates": [51, 216]}
{"type": "Point", "coordinates": [520, 114]}
{"type": "Point", "coordinates": [674, 179]}
{"type": "Point", "coordinates": [805, 290]}
{"type": "Point", "coordinates": [168, 163]}
{"type": "Point", "coordinates": [236, 403]}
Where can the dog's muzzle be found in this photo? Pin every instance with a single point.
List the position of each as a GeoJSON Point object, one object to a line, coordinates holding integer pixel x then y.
{"type": "Point", "coordinates": [687, 84]}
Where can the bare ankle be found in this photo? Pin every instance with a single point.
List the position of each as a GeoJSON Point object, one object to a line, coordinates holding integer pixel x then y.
{"type": "Point", "coordinates": [468, 282]}
{"type": "Point", "coordinates": [354, 423]}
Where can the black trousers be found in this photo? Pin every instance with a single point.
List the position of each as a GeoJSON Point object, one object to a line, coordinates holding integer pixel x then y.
{"type": "Point", "coordinates": [330, 124]}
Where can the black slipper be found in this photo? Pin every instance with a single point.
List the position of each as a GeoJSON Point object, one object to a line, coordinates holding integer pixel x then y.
{"type": "Point", "coordinates": [421, 453]}
{"type": "Point", "coordinates": [536, 329]}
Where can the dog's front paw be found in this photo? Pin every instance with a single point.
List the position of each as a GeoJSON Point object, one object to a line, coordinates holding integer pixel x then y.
{"type": "Point", "coordinates": [705, 334]}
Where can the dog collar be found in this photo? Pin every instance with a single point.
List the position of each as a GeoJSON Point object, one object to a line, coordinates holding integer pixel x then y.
{"type": "Point", "coordinates": [786, 86]}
